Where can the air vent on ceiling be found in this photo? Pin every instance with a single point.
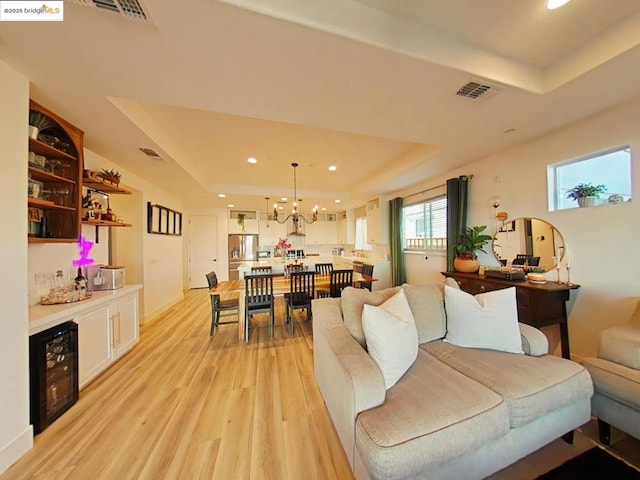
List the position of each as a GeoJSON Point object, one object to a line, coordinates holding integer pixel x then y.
{"type": "Point", "coordinates": [476, 90]}
{"type": "Point", "coordinates": [133, 9]}
{"type": "Point", "coordinates": [150, 153]}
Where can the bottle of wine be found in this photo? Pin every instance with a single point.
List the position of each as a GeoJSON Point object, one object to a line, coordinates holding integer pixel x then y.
{"type": "Point", "coordinates": [81, 284]}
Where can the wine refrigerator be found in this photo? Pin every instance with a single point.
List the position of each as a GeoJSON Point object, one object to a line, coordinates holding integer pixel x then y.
{"type": "Point", "coordinates": [53, 369]}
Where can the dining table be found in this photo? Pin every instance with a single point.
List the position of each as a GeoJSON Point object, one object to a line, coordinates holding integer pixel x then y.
{"type": "Point", "coordinates": [281, 285]}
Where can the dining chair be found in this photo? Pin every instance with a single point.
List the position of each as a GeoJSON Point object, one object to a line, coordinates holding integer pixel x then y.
{"type": "Point", "coordinates": [301, 291]}
{"type": "Point", "coordinates": [293, 267]}
{"type": "Point", "coordinates": [258, 299]}
{"type": "Point", "coordinates": [324, 268]}
{"type": "Point", "coordinates": [262, 270]}
{"type": "Point", "coordinates": [368, 271]}
{"type": "Point", "coordinates": [338, 281]}
{"type": "Point", "coordinates": [221, 308]}
{"type": "Point", "coordinates": [357, 266]}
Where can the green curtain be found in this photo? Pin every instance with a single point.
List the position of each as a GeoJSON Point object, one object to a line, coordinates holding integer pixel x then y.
{"type": "Point", "coordinates": [398, 271]}
{"type": "Point", "coordinates": [457, 194]}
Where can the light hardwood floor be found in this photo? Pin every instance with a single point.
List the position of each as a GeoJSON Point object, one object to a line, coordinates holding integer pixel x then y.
{"type": "Point", "coordinates": [184, 406]}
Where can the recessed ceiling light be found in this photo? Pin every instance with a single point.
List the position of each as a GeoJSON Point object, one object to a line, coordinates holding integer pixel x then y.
{"type": "Point", "coordinates": [284, 199]}
{"type": "Point", "coordinates": [323, 209]}
{"type": "Point", "coordinates": [337, 201]}
{"type": "Point", "coordinates": [553, 4]}
{"type": "Point", "coordinates": [252, 160]}
{"type": "Point", "coordinates": [280, 208]}
{"type": "Point", "coordinates": [221, 195]}
{"type": "Point", "coordinates": [231, 205]}
{"type": "Point", "coordinates": [332, 168]}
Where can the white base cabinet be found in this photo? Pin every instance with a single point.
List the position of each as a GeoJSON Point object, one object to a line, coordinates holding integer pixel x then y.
{"type": "Point", "coordinates": [105, 334]}
{"type": "Point", "coordinates": [108, 327]}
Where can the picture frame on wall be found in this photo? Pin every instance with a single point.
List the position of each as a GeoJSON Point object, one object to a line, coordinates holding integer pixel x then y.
{"type": "Point", "coordinates": [163, 221]}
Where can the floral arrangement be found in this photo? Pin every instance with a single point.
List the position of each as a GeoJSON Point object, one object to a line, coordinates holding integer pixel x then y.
{"type": "Point", "coordinates": [283, 244]}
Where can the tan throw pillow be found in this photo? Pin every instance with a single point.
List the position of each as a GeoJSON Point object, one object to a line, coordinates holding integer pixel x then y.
{"type": "Point", "coordinates": [353, 300]}
{"type": "Point", "coordinates": [488, 320]}
{"type": "Point", "coordinates": [392, 338]}
{"type": "Point", "coordinates": [427, 305]}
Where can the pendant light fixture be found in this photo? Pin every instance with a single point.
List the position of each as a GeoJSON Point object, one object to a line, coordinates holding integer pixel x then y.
{"type": "Point", "coordinates": [295, 215]}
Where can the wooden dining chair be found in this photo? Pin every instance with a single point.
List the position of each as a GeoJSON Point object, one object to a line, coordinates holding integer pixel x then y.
{"type": "Point", "coordinates": [357, 266]}
{"type": "Point", "coordinates": [324, 268]}
{"type": "Point", "coordinates": [221, 308]}
{"type": "Point", "coordinates": [338, 281]}
{"type": "Point", "coordinates": [293, 267]}
{"type": "Point", "coordinates": [301, 291]}
{"type": "Point", "coordinates": [368, 271]}
{"type": "Point", "coordinates": [258, 299]}
{"type": "Point", "coordinates": [262, 270]}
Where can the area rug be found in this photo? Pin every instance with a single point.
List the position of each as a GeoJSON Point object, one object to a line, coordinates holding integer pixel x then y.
{"type": "Point", "coordinates": [595, 463]}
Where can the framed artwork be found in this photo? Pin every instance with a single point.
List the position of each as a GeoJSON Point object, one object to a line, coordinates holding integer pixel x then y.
{"type": "Point", "coordinates": [163, 221]}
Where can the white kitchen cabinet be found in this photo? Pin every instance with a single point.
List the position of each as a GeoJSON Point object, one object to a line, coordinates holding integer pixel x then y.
{"type": "Point", "coordinates": [108, 327]}
{"type": "Point", "coordinates": [324, 231]}
{"type": "Point", "coordinates": [271, 234]}
{"type": "Point", "coordinates": [377, 221]}
{"type": "Point", "coordinates": [346, 228]}
{"type": "Point", "coordinates": [94, 343]}
{"type": "Point", "coordinates": [124, 322]}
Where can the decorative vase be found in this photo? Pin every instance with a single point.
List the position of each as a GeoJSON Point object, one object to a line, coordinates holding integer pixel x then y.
{"type": "Point", "coordinates": [33, 132]}
{"type": "Point", "coordinates": [466, 263]}
{"type": "Point", "coordinates": [586, 201]}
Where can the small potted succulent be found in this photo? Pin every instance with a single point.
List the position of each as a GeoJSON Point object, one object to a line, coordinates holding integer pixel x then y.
{"type": "Point", "coordinates": [111, 176]}
{"type": "Point", "coordinates": [586, 193]}
{"type": "Point", "coordinates": [38, 122]}
{"type": "Point", "coordinates": [471, 240]}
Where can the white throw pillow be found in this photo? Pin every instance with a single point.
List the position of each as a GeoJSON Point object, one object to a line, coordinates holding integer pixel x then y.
{"type": "Point", "coordinates": [488, 320]}
{"type": "Point", "coordinates": [392, 337]}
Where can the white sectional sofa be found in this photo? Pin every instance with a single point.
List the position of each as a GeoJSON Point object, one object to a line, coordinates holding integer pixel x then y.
{"type": "Point", "coordinates": [460, 413]}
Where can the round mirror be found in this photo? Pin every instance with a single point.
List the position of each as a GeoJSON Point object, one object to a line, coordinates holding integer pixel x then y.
{"type": "Point", "coordinates": [529, 241]}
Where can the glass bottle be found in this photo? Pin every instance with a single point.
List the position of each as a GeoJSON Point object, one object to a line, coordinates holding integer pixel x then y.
{"type": "Point", "coordinates": [81, 284]}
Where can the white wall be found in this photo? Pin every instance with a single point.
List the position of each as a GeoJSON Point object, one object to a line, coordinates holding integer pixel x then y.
{"type": "Point", "coordinates": [603, 239]}
{"type": "Point", "coordinates": [156, 261]}
{"type": "Point", "coordinates": [16, 435]}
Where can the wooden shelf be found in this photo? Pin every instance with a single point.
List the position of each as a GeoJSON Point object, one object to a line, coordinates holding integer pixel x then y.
{"type": "Point", "coordinates": [96, 183]}
{"type": "Point", "coordinates": [51, 240]}
{"type": "Point", "coordinates": [38, 174]}
{"type": "Point", "coordinates": [105, 223]}
{"type": "Point", "coordinates": [48, 151]}
{"type": "Point", "coordinates": [47, 205]}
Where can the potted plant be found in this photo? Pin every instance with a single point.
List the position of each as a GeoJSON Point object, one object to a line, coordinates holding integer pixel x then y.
{"type": "Point", "coordinates": [586, 193]}
{"type": "Point", "coordinates": [38, 122]}
{"type": "Point", "coordinates": [111, 176]}
{"type": "Point", "coordinates": [471, 241]}
{"type": "Point", "coordinates": [241, 220]}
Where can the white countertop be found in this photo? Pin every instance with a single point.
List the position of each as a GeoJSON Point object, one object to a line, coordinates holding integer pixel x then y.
{"type": "Point", "coordinates": [42, 317]}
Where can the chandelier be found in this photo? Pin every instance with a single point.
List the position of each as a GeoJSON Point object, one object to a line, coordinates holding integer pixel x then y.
{"type": "Point", "coordinates": [295, 216]}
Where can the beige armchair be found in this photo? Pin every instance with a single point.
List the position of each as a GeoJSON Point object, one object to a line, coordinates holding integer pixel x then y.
{"type": "Point", "coordinates": [616, 379]}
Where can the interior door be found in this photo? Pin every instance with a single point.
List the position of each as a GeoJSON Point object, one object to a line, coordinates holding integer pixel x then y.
{"type": "Point", "coordinates": [203, 249]}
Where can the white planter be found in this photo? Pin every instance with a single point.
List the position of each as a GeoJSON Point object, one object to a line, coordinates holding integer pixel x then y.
{"type": "Point", "coordinates": [33, 132]}
{"type": "Point", "coordinates": [587, 201]}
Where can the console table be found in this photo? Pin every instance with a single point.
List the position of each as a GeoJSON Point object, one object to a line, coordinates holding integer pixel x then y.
{"type": "Point", "coordinates": [539, 304]}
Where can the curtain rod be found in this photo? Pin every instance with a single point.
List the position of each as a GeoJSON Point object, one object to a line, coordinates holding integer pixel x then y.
{"type": "Point", "coordinates": [469, 177]}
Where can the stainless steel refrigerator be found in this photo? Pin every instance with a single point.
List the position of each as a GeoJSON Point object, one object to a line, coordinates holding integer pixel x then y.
{"type": "Point", "coordinates": [242, 248]}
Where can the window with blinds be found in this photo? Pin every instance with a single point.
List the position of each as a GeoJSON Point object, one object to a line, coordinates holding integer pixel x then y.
{"type": "Point", "coordinates": [425, 225]}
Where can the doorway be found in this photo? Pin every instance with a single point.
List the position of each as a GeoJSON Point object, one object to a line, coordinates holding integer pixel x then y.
{"type": "Point", "coordinates": [203, 249]}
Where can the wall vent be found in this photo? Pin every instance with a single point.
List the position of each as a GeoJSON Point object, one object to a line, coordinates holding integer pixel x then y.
{"type": "Point", "coordinates": [150, 153]}
{"type": "Point", "coordinates": [132, 9]}
{"type": "Point", "coordinates": [476, 90]}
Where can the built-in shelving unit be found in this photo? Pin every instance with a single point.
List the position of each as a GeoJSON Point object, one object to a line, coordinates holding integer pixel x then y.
{"type": "Point", "coordinates": [54, 204]}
